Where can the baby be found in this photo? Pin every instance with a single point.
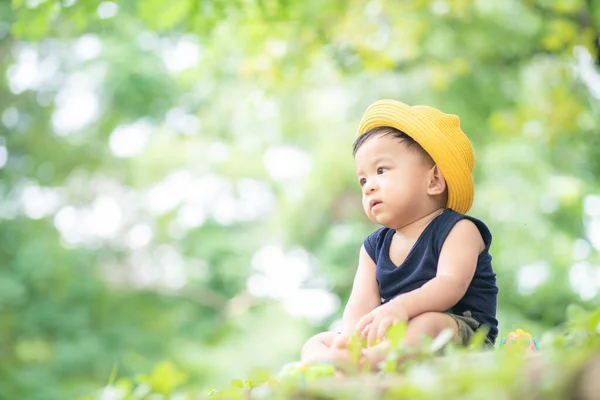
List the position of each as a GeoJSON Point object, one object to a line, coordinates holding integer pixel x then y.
{"type": "Point", "coordinates": [429, 265]}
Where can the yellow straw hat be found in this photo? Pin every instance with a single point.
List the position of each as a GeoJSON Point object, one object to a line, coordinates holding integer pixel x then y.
{"type": "Point", "coordinates": [440, 136]}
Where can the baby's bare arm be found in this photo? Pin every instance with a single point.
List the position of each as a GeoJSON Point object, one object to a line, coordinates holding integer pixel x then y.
{"type": "Point", "coordinates": [330, 346]}
{"type": "Point", "coordinates": [365, 293]}
{"type": "Point", "coordinates": [456, 267]}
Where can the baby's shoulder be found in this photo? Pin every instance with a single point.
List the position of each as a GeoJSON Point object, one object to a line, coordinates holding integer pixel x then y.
{"type": "Point", "coordinates": [375, 241]}
{"type": "Point", "coordinates": [453, 218]}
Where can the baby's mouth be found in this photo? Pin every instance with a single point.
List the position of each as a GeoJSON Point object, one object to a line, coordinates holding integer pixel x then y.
{"type": "Point", "coordinates": [374, 203]}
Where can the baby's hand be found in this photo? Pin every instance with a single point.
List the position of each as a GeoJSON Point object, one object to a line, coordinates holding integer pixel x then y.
{"type": "Point", "coordinates": [375, 354]}
{"type": "Point", "coordinates": [375, 324]}
{"type": "Point", "coordinates": [338, 352]}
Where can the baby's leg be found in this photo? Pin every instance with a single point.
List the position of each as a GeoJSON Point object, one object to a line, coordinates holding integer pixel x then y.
{"type": "Point", "coordinates": [430, 324]}
{"type": "Point", "coordinates": [318, 347]}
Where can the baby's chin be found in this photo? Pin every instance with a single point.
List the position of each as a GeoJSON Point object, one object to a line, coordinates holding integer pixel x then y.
{"type": "Point", "coordinates": [380, 219]}
{"type": "Point", "coordinates": [372, 217]}
{"type": "Point", "coordinates": [387, 222]}
{"type": "Point", "coordinates": [383, 218]}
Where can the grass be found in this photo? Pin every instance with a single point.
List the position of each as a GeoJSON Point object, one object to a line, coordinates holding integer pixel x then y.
{"type": "Point", "coordinates": [564, 368]}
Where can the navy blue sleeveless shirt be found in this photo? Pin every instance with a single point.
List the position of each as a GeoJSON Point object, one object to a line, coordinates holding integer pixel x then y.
{"type": "Point", "coordinates": [420, 266]}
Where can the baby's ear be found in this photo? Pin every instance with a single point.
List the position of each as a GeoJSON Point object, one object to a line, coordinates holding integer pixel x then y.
{"type": "Point", "coordinates": [437, 182]}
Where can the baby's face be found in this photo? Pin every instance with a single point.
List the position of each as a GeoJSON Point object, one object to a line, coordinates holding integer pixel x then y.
{"type": "Point", "coordinates": [394, 180]}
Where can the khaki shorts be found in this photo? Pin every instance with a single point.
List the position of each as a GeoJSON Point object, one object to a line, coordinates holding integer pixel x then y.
{"type": "Point", "coordinates": [467, 326]}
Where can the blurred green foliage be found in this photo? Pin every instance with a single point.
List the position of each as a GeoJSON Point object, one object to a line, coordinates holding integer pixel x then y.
{"type": "Point", "coordinates": [563, 369]}
{"type": "Point", "coordinates": [243, 115]}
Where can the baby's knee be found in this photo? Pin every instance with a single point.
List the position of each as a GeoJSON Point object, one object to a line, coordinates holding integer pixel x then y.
{"type": "Point", "coordinates": [432, 323]}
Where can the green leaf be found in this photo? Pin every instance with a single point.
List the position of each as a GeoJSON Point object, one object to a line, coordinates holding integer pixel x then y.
{"type": "Point", "coordinates": [441, 340]}
{"type": "Point", "coordinates": [113, 374]}
{"type": "Point", "coordinates": [396, 333]}
{"type": "Point", "coordinates": [237, 383]}
{"type": "Point", "coordinates": [260, 375]}
{"type": "Point", "coordinates": [355, 345]}
{"type": "Point", "coordinates": [163, 15]}
{"type": "Point", "coordinates": [478, 339]}
{"type": "Point", "coordinates": [575, 313]}
{"type": "Point", "coordinates": [164, 378]}
{"type": "Point", "coordinates": [595, 6]}
{"type": "Point", "coordinates": [593, 323]}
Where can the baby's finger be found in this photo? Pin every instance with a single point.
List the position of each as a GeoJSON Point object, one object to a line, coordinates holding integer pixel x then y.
{"type": "Point", "coordinates": [373, 328]}
{"type": "Point", "coordinates": [365, 332]}
{"type": "Point", "coordinates": [383, 328]}
{"type": "Point", "coordinates": [363, 322]}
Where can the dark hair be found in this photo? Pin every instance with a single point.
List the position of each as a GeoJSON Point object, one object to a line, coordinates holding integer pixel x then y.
{"type": "Point", "coordinates": [398, 134]}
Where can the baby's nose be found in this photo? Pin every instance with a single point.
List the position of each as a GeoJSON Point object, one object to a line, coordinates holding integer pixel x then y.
{"type": "Point", "coordinates": [369, 187]}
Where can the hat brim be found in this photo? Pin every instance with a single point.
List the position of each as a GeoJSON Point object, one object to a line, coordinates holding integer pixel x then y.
{"type": "Point", "coordinates": [436, 143]}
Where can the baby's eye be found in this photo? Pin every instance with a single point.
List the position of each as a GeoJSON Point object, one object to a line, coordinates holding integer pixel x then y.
{"type": "Point", "coordinates": [381, 170]}
{"type": "Point", "coordinates": [362, 181]}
